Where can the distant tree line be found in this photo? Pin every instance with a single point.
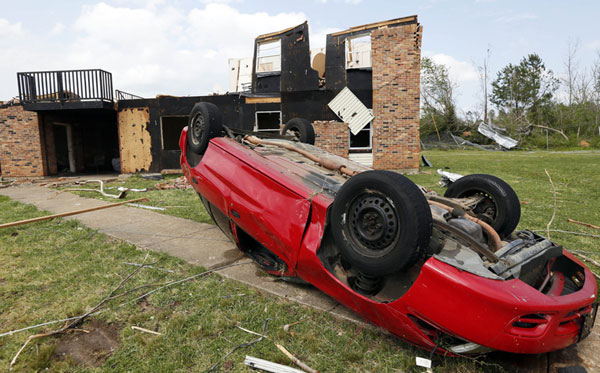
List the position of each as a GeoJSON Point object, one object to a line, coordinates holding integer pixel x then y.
{"type": "Point", "coordinates": [531, 104]}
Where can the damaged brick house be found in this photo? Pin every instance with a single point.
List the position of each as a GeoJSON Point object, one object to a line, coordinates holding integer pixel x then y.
{"type": "Point", "coordinates": [70, 121]}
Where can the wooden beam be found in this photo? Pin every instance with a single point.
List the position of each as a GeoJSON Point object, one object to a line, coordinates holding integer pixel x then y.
{"type": "Point", "coordinates": [277, 33]}
{"type": "Point", "coordinates": [48, 217]}
{"type": "Point", "coordinates": [376, 25]}
{"type": "Point", "coordinates": [263, 100]}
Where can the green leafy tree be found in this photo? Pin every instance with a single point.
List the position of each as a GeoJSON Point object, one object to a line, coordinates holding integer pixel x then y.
{"type": "Point", "coordinates": [437, 93]}
{"type": "Point", "coordinates": [525, 89]}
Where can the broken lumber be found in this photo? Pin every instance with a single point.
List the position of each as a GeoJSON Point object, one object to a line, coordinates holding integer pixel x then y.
{"type": "Point", "coordinates": [584, 224]}
{"type": "Point", "coordinates": [62, 214]}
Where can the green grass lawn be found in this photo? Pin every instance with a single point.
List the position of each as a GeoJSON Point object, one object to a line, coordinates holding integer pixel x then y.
{"type": "Point", "coordinates": [57, 269]}
{"type": "Point", "coordinates": [183, 203]}
{"type": "Point", "coordinates": [576, 177]}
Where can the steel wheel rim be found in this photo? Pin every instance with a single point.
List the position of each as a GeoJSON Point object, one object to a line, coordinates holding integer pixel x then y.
{"type": "Point", "coordinates": [197, 128]}
{"type": "Point", "coordinates": [373, 224]}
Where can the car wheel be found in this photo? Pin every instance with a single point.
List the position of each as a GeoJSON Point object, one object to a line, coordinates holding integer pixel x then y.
{"type": "Point", "coordinates": [381, 222]}
{"type": "Point", "coordinates": [302, 128]}
{"type": "Point", "coordinates": [206, 122]}
{"type": "Point", "coordinates": [500, 208]}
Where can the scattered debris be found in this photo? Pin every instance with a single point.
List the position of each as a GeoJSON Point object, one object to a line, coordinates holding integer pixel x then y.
{"type": "Point", "coordinates": [69, 327]}
{"type": "Point", "coordinates": [296, 360]}
{"type": "Point", "coordinates": [269, 366]}
{"type": "Point", "coordinates": [286, 327]}
{"type": "Point", "coordinates": [172, 171]}
{"type": "Point", "coordinates": [179, 183]}
{"type": "Point", "coordinates": [555, 206]}
{"type": "Point", "coordinates": [243, 345]}
{"type": "Point", "coordinates": [145, 330]}
{"type": "Point", "coordinates": [492, 132]}
{"type": "Point", "coordinates": [147, 207]}
{"type": "Point", "coordinates": [448, 177]}
{"type": "Point", "coordinates": [152, 176]}
{"type": "Point", "coordinates": [63, 214]}
{"type": "Point", "coordinates": [101, 190]}
{"type": "Point", "coordinates": [584, 224]}
{"type": "Point", "coordinates": [426, 161]}
{"type": "Point", "coordinates": [250, 331]}
{"type": "Point", "coordinates": [584, 144]}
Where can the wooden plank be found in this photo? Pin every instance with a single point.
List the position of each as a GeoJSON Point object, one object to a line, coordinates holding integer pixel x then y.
{"type": "Point", "coordinates": [134, 139]}
{"type": "Point", "coordinates": [277, 33]}
{"type": "Point", "coordinates": [62, 214]}
{"type": "Point", "coordinates": [263, 100]}
{"type": "Point", "coordinates": [376, 25]}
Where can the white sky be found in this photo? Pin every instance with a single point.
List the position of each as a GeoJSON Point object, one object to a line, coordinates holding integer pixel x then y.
{"type": "Point", "coordinates": [181, 47]}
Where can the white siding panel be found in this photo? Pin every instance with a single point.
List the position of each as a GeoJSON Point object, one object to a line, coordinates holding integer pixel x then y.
{"type": "Point", "coordinates": [366, 159]}
{"type": "Point", "coordinates": [351, 110]}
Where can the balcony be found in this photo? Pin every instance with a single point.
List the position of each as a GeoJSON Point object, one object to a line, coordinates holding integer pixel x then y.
{"type": "Point", "coordinates": [66, 90]}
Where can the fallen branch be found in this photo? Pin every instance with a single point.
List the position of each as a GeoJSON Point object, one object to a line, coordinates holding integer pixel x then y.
{"type": "Point", "coordinates": [145, 330]}
{"type": "Point", "coordinates": [243, 345]}
{"type": "Point", "coordinates": [79, 319]}
{"type": "Point", "coordinates": [163, 286]}
{"type": "Point", "coordinates": [555, 207]}
{"type": "Point", "coordinates": [295, 360]}
{"type": "Point", "coordinates": [63, 214]}
{"type": "Point", "coordinates": [578, 253]}
{"type": "Point", "coordinates": [149, 266]}
{"type": "Point", "coordinates": [584, 224]}
{"type": "Point", "coordinates": [552, 129]}
{"type": "Point", "coordinates": [569, 232]}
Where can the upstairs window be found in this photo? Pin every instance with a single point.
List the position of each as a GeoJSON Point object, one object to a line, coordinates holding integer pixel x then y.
{"type": "Point", "coordinates": [268, 56]}
{"type": "Point", "coordinates": [358, 52]}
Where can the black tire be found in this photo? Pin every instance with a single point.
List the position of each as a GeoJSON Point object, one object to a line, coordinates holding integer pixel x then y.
{"type": "Point", "coordinates": [206, 122]}
{"type": "Point", "coordinates": [303, 129]}
{"type": "Point", "coordinates": [501, 207]}
{"type": "Point", "coordinates": [381, 222]}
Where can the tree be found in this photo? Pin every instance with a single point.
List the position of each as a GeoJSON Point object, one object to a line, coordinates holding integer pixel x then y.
{"type": "Point", "coordinates": [525, 89]}
{"type": "Point", "coordinates": [437, 92]}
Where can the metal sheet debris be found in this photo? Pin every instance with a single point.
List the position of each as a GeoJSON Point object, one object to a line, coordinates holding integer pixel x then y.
{"type": "Point", "coordinates": [351, 110]}
{"type": "Point", "coordinates": [492, 132]}
{"type": "Point", "coordinates": [448, 177]}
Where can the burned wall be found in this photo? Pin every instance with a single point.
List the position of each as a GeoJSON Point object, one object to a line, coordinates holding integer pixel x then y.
{"type": "Point", "coordinates": [396, 58]}
{"type": "Point", "coordinates": [21, 152]}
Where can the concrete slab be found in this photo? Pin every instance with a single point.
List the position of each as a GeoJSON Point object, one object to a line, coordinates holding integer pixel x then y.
{"type": "Point", "coordinates": [205, 245]}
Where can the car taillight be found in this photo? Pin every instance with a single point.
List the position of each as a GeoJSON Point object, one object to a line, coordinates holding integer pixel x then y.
{"type": "Point", "coordinates": [530, 325]}
{"type": "Point", "coordinates": [569, 323]}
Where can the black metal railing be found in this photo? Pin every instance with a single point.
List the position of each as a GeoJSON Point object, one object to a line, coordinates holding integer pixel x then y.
{"type": "Point", "coordinates": [66, 85]}
{"type": "Point", "coordinates": [126, 96]}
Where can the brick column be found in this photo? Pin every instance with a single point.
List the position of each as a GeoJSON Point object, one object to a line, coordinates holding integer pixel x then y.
{"type": "Point", "coordinates": [20, 143]}
{"type": "Point", "coordinates": [396, 59]}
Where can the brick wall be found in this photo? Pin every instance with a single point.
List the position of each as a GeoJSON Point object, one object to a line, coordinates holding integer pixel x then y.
{"type": "Point", "coordinates": [332, 136]}
{"type": "Point", "coordinates": [20, 145]}
{"type": "Point", "coordinates": [396, 59]}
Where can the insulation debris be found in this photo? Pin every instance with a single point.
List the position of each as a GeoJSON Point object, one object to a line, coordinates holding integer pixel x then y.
{"type": "Point", "coordinates": [179, 183]}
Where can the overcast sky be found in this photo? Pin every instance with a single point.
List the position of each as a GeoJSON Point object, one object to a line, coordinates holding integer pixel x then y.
{"type": "Point", "coordinates": [181, 47]}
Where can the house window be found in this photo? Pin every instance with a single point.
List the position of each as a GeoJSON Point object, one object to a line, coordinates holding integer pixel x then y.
{"type": "Point", "coordinates": [363, 140]}
{"type": "Point", "coordinates": [267, 121]}
{"type": "Point", "coordinates": [268, 56]}
{"type": "Point", "coordinates": [358, 52]}
{"type": "Point", "coordinates": [171, 128]}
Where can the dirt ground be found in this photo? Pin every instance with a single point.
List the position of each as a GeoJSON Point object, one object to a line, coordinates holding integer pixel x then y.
{"type": "Point", "coordinates": [92, 348]}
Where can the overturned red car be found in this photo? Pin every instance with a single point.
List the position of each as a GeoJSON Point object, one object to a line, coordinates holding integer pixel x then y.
{"type": "Point", "coordinates": [446, 273]}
